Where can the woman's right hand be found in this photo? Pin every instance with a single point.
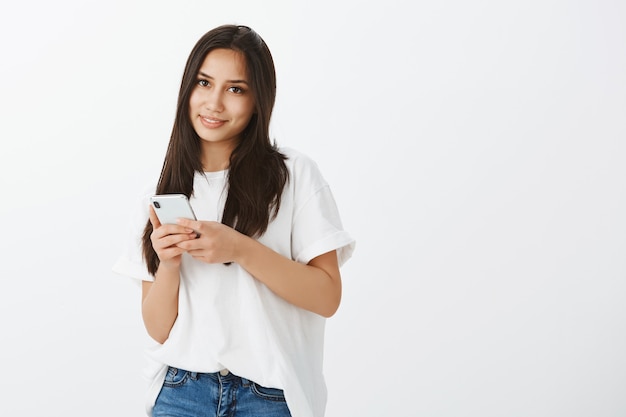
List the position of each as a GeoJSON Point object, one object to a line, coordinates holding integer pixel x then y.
{"type": "Point", "coordinates": [165, 238]}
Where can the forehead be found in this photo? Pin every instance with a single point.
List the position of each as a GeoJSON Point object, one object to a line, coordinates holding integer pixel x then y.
{"type": "Point", "coordinates": [224, 63]}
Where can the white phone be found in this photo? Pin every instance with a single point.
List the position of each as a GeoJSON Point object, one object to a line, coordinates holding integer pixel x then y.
{"type": "Point", "coordinates": [169, 207]}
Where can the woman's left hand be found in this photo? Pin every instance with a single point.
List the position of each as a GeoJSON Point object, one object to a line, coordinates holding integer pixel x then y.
{"type": "Point", "coordinates": [216, 243]}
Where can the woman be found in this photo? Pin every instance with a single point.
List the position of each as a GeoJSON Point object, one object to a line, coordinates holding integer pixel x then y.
{"type": "Point", "coordinates": [237, 299]}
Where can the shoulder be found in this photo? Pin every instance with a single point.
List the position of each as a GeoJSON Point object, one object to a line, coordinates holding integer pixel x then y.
{"type": "Point", "coordinates": [294, 154]}
{"type": "Point", "coordinates": [300, 164]}
{"type": "Point", "coordinates": [305, 178]}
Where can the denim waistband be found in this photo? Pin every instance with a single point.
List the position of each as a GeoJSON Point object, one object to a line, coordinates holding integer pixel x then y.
{"type": "Point", "coordinates": [224, 375]}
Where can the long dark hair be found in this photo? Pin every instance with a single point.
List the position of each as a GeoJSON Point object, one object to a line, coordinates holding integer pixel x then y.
{"type": "Point", "coordinates": [257, 172]}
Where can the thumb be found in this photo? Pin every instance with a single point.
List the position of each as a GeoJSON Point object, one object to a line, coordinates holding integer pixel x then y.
{"type": "Point", "coordinates": [154, 219]}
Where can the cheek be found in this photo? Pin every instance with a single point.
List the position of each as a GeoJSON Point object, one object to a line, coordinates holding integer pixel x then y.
{"type": "Point", "coordinates": [194, 101]}
{"type": "Point", "coordinates": [246, 110]}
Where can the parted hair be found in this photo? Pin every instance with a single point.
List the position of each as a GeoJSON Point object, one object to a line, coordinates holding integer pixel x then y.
{"type": "Point", "coordinates": [257, 172]}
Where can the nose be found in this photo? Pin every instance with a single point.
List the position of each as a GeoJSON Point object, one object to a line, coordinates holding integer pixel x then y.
{"type": "Point", "coordinates": [214, 100]}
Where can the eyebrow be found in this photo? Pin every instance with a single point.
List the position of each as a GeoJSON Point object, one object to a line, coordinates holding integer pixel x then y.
{"type": "Point", "coordinates": [228, 81]}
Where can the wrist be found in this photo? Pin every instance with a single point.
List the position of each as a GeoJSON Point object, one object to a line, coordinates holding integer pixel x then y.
{"type": "Point", "coordinates": [168, 270]}
{"type": "Point", "coordinates": [241, 248]}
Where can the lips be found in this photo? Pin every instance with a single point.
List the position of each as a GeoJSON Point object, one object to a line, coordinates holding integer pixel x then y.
{"type": "Point", "coordinates": [211, 122]}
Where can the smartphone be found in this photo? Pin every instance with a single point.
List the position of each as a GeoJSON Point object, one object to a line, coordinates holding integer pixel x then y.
{"type": "Point", "coordinates": [169, 207]}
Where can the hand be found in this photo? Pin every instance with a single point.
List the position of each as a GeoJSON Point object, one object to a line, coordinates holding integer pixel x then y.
{"type": "Point", "coordinates": [216, 243]}
{"type": "Point", "coordinates": [165, 239]}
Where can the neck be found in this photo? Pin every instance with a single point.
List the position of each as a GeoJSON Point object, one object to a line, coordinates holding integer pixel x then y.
{"type": "Point", "coordinates": [216, 156]}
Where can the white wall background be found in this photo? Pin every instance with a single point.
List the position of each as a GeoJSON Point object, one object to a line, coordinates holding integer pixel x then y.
{"type": "Point", "coordinates": [476, 151]}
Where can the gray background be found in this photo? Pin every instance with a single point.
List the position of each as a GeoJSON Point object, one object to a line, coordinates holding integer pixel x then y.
{"type": "Point", "coordinates": [476, 151]}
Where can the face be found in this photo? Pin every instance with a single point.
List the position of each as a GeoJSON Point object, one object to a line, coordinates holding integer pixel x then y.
{"type": "Point", "coordinates": [221, 103]}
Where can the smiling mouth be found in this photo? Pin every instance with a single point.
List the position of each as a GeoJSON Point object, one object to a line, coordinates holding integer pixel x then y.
{"type": "Point", "coordinates": [211, 122]}
{"type": "Point", "coordinates": [211, 119]}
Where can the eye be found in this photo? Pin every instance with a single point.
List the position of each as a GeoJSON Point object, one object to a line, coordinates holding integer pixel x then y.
{"type": "Point", "coordinates": [203, 83]}
{"type": "Point", "coordinates": [236, 90]}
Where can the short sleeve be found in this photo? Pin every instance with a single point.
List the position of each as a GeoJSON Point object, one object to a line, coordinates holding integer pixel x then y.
{"type": "Point", "coordinates": [131, 263]}
{"type": "Point", "coordinates": [317, 226]}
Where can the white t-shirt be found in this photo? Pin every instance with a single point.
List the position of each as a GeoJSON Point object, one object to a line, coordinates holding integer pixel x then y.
{"type": "Point", "coordinates": [228, 319]}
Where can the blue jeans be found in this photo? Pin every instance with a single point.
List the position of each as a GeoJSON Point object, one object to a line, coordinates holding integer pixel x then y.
{"type": "Point", "coordinates": [193, 394]}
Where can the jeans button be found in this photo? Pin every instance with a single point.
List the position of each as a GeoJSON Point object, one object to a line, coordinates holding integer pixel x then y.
{"type": "Point", "coordinates": [224, 372]}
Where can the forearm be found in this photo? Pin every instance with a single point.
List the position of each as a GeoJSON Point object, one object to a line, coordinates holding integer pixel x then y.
{"type": "Point", "coordinates": [315, 287]}
{"type": "Point", "coordinates": [160, 303]}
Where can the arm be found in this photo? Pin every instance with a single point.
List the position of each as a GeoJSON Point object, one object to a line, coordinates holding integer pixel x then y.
{"type": "Point", "coordinates": [159, 305]}
{"type": "Point", "coordinates": [315, 287]}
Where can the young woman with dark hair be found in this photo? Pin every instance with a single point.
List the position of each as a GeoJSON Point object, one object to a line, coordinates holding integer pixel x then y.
{"type": "Point", "coordinates": [236, 300]}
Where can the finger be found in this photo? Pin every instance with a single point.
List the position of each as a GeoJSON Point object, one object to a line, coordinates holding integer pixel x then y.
{"type": "Point", "coordinates": [174, 229]}
{"type": "Point", "coordinates": [154, 219]}
{"type": "Point", "coordinates": [169, 240]}
{"type": "Point", "coordinates": [192, 224]}
{"type": "Point", "coordinates": [170, 253]}
{"type": "Point", "coordinates": [175, 240]}
{"type": "Point", "coordinates": [189, 244]}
